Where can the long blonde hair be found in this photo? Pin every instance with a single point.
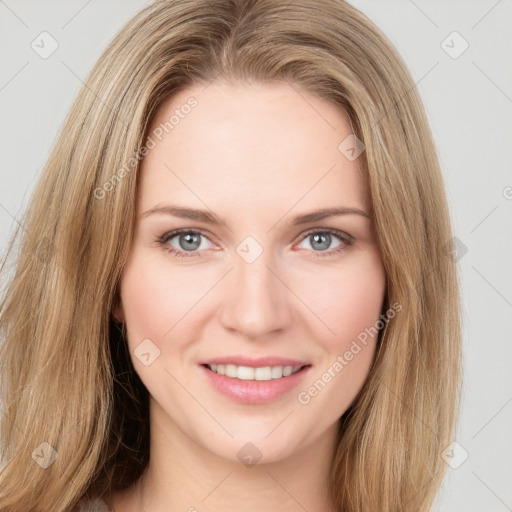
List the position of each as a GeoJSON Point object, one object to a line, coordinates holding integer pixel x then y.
{"type": "Point", "coordinates": [66, 375]}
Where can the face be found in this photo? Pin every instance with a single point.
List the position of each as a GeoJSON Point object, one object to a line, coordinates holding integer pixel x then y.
{"type": "Point", "coordinates": [254, 284]}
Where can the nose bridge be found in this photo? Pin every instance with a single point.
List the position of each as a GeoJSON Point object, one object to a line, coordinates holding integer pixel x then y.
{"type": "Point", "coordinates": [256, 301]}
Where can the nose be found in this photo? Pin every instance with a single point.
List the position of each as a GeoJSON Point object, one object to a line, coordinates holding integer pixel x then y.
{"type": "Point", "coordinates": [256, 300]}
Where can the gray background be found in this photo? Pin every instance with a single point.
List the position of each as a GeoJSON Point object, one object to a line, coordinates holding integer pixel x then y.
{"type": "Point", "coordinates": [469, 103]}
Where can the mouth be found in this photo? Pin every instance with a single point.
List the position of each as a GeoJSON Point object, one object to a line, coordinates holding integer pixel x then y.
{"type": "Point", "coordinates": [254, 385]}
{"type": "Point", "coordinates": [260, 373]}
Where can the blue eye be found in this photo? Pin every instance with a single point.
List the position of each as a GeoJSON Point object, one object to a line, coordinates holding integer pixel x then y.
{"type": "Point", "coordinates": [321, 240]}
{"type": "Point", "coordinates": [190, 241]}
{"type": "Point", "coordinates": [187, 238]}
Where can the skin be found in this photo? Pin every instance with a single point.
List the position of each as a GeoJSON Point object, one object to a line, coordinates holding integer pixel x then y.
{"type": "Point", "coordinates": [256, 155]}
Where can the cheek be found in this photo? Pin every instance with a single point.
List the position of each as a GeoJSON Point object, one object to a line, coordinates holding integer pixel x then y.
{"type": "Point", "coordinates": [350, 306]}
{"type": "Point", "coordinates": [155, 299]}
{"type": "Point", "coordinates": [347, 301]}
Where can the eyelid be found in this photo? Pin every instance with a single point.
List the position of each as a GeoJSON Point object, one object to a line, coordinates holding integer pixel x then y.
{"type": "Point", "coordinates": [337, 232]}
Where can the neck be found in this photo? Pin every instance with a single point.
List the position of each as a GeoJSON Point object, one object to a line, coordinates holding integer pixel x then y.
{"type": "Point", "coordinates": [182, 475]}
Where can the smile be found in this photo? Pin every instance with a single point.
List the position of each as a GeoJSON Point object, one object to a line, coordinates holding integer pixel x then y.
{"type": "Point", "coordinates": [254, 385]}
{"type": "Point", "coordinates": [250, 373]}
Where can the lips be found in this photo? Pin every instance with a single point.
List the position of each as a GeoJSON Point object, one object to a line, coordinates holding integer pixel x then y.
{"type": "Point", "coordinates": [251, 388]}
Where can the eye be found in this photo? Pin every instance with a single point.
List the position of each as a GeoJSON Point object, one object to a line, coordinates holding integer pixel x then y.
{"type": "Point", "coordinates": [321, 239]}
{"type": "Point", "coordinates": [188, 241]}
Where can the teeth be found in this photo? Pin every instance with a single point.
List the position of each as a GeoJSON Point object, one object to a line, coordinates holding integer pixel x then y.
{"type": "Point", "coordinates": [230, 370]}
{"type": "Point", "coordinates": [244, 373]}
{"type": "Point", "coordinates": [264, 373]}
{"type": "Point", "coordinates": [249, 373]}
{"type": "Point", "coordinates": [277, 372]}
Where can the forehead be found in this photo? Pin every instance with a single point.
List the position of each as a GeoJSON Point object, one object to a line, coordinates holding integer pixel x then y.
{"type": "Point", "coordinates": [250, 146]}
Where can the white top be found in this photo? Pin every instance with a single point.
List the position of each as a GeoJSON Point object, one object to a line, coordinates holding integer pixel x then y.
{"type": "Point", "coordinates": [95, 505]}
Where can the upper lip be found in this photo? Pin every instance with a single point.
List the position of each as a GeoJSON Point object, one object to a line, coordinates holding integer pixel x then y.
{"type": "Point", "coordinates": [255, 362]}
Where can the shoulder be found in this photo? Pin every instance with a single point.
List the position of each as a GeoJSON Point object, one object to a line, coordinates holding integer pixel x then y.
{"type": "Point", "coordinates": [95, 505]}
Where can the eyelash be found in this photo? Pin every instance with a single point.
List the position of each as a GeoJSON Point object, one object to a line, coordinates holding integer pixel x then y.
{"type": "Point", "coordinates": [343, 237]}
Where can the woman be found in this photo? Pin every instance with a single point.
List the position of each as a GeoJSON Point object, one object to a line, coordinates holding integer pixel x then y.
{"type": "Point", "coordinates": [305, 350]}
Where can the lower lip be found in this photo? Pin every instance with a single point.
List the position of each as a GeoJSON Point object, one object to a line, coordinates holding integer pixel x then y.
{"type": "Point", "coordinates": [254, 391]}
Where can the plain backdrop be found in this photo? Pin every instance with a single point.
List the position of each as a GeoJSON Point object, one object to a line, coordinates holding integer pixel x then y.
{"type": "Point", "coordinates": [459, 55]}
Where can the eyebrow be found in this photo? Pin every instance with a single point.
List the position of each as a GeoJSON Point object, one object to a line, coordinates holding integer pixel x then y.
{"type": "Point", "coordinates": [211, 218]}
